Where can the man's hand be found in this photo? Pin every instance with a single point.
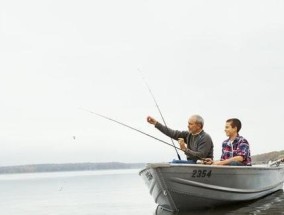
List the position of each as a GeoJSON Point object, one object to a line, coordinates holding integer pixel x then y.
{"type": "Point", "coordinates": [182, 144]}
{"type": "Point", "coordinates": [208, 161]}
{"type": "Point", "coordinates": [151, 120]}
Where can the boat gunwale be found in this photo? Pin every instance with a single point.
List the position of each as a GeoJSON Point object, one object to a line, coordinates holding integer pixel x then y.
{"type": "Point", "coordinates": [171, 165]}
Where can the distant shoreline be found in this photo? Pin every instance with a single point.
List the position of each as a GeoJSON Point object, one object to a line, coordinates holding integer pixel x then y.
{"type": "Point", "coordinates": [37, 168]}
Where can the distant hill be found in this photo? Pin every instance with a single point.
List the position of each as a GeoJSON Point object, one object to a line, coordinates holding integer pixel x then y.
{"type": "Point", "coordinates": [68, 167]}
{"type": "Point", "coordinates": [265, 157]}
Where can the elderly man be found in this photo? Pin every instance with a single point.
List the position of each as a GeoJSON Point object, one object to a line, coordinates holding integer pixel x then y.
{"type": "Point", "coordinates": [195, 142]}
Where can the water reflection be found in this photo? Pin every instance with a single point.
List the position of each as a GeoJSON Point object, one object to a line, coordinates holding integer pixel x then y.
{"type": "Point", "coordinates": [271, 204]}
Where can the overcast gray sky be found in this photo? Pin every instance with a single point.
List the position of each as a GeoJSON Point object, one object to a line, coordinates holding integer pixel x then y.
{"type": "Point", "coordinates": [219, 59]}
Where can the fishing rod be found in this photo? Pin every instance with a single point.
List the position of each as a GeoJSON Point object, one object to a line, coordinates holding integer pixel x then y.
{"type": "Point", "coordinates": [128, 126]}
{"type": "Point", "coordinates": [276, 163]}
{"type": "Point", "coordinates": [173, 144]}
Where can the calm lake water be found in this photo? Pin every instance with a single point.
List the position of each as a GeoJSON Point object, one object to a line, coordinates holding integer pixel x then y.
{"type": "Point", "coordinates": [115, 192]}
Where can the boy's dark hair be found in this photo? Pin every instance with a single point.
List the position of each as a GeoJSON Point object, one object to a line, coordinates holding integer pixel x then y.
{"type": "Point", "coordinates": [235, 123]}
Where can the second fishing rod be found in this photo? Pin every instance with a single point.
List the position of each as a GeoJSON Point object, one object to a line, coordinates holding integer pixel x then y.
{"type": "Point", "coordinates": [150, 91]}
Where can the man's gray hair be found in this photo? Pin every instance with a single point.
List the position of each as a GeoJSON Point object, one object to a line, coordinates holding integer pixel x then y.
{"type": "Point", "coordinates": [199, 120]}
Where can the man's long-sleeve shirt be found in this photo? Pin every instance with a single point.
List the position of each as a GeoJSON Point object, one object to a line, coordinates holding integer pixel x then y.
{"type": "Point", "coordinates": [198, 146]}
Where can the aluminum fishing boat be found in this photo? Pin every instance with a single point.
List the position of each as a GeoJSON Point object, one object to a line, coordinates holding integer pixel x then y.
{"type": "Point", "coordinates": [181, 187]}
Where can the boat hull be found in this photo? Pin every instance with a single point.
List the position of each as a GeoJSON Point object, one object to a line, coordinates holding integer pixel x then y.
{"type": "Point", "coordinates": [179, 187]}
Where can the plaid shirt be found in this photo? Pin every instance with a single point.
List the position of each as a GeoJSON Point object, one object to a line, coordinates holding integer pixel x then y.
{"type": "Point", "coordinates": [239, 147]}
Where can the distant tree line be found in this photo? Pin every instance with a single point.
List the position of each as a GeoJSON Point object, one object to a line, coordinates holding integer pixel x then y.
{"type": "Point", "coordinates": [68, 167]}
{"type": "Point", "coordinates": [270, 156]}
